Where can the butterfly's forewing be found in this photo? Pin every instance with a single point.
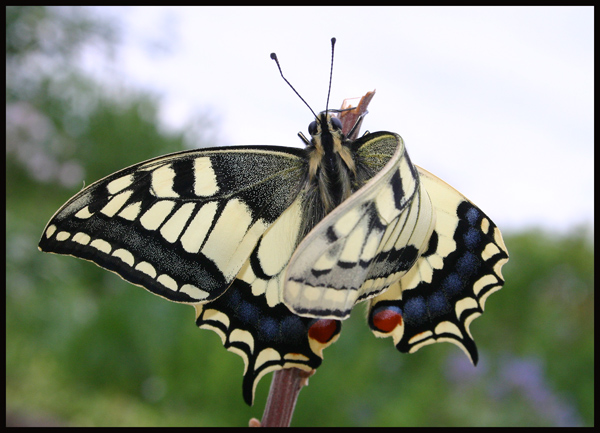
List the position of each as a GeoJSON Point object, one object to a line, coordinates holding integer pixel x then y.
{"type": "Point", "coordinates": [181, 225]}
{"type": "Point", "coordinates": [447, 288]}
{"type": "Point", "coordinates": [367, 242]}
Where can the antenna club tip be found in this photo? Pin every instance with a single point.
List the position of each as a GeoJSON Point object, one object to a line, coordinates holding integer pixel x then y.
{"type": "Point", "coordinates": [273, 56]}
{"type": "Point", "coordinates": [333, 40]}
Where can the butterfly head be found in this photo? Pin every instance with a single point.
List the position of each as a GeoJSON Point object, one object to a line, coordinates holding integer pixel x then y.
{"type": "Point", "coordinates": [324, 122]}
{"type": "Point", "coordinates": [326, 133]}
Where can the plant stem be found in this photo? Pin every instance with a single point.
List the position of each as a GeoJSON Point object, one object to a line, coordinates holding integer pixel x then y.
{"type": "Point", "coordinates": [284, 391]}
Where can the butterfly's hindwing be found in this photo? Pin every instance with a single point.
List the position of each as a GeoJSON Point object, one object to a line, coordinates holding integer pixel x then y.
{"type": "Point", "coordinates": [267, 337]}
{"type": "Point", "coordinates": [181, 225]}
{"type": "Point", "coordinates": [447, 288]}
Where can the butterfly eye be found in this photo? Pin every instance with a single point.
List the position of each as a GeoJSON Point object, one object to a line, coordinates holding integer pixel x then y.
{"type": "Point", "coordinates": [312, 128]}
{"type": "Point", "coordinates": [336, 123]}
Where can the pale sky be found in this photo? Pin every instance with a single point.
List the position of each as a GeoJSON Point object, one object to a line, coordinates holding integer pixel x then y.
{"type": "Point", "coordinates": [496, 101]}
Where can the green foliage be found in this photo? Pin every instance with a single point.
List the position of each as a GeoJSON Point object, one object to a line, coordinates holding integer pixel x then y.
{"type": "Point", "coordinates": [85, 348]}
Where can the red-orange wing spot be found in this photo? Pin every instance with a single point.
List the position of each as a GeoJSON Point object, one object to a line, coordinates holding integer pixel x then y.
{"type": "Point", "coordinates": [323, 330]}
{"type": "Point", "coordinates": [386, 319]}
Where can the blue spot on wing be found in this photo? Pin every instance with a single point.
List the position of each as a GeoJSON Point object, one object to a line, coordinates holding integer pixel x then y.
{"type": "Point", "coordinates": [452, 284]}
{"type": "Point", "coordinates": [472, 215]}
{"type": "Point", "coordinates": [467, 265]}
{"type": "Point", "coordinates": [438, 304]}
{"type": "Point", "coordinates": [472, 238]}
{"type": "Point", "coordinates": [415, 311]}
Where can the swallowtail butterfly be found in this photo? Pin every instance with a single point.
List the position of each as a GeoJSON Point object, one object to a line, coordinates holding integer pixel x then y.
{"type": "Point", "coordinates": [273, 246]}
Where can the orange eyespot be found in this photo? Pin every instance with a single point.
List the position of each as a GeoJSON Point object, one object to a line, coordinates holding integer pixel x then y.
{"type": "Point", "coordinates": [323, 330]}
{"type": "Point", "coordinates": [387, 319]}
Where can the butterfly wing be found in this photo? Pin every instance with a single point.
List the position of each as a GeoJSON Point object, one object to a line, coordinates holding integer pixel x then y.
{"type": "Point", "coordinates": [181, 225]}
{"type": "Point", "coordinates": [368, 241]}
{"type": "Point", "coordinates": [447, 288]}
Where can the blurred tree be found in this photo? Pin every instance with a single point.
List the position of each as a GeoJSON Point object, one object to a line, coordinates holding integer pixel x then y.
{"type": "Point", "coordinates": [68, 322]}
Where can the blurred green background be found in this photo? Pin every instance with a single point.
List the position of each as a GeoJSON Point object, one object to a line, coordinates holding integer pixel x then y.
{"type": "Point", "coordinates": [85, 348]}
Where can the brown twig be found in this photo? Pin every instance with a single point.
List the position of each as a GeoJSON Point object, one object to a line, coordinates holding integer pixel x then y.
{"type": "Point", "coordinates": [283, 394]}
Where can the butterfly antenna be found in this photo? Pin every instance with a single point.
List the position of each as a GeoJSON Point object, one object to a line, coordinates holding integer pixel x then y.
{"type": "Point", "coordinates": [330, 73]}
{"type": "Point", "coordinates": [274, 57]}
